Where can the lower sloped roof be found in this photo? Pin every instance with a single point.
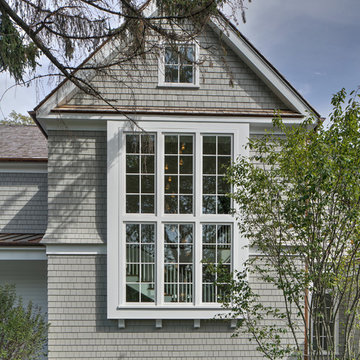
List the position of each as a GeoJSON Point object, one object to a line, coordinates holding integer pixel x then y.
{"type": "Point", "coordinates": [20, 239]}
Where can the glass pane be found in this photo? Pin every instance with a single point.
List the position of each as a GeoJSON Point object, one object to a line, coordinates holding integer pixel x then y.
{"type": "Point", "coordinates": [186, 74]}
{"type": "Point", "coordinates": [209, 144]}
{"type": "Point", "coordinates": [209, 253]}
{"type": "Point", "coordinates": [224, 254]}
{"type": "Point", "coordinates": [185, 292]}
{"type": "Point", "coordinates": [132, 253]}
{"type": "Point", "coordinates": [147, 273]}
{"type": "Point", "coordinates": [223, 185]}
{"type": "Point", "coordinates": [171, 273]}
{"type": "Point", "coordinates": [170, 253]}
{"type": "Point", "coordinates": [171, 164]}
{"type": "Point", "coordinates": [209, 184]}
{"type": "Point", "coordinates": [209, 234]}
{"type": "Point", "coordinates": [223, 205]}
{"type": "Point", "coordinates": [223, 163]}
{"type": "Point", "coordinates": [186, 164]}
{"type": "Point", "coordinates": [209, 204]}
{"type": "Point", "coordinates": [209, 164]}
{"type": "Point", "coordinates": [186, 233]}
{"type": "Point", "coordinates": [147, 204]}
{"type": "Point", "coordinates": [170, 293]}
{"type": "Point", "coordinates": [147, 253]}
{"type": "Point", "coordinates": [132, 292]}
{"type": "Point", "coordinates": [185, 253]}
{"type": "Point", "coordinates": [171, 56]}
{"type": "Point", "coordinates": [171, 184]}
{"type": "Point", "coordinates": [132, 273]}
{"type": "Point", "coordinates": [147, 292]}
{"type": "Point", "coordinates": [208, 274]}
{"type": "Point", "coordinates": [147, 164]}
{"type": "Point", "coordinates": [185, 273]}
{"type": "Point", "coordinates": [132, 233]}
{"type": "Point", "coordinates": [186, 144]}
{"type": "Point", "coordinates": [171, 233]}
{"type": "Point", "coordinates": [171, 204]}
{"type": "Point", "coordinates": [209, 293]}
{"type": "Point", "coordinates": [224, 145]}
{"type": "Point", "coordinates": [148, 144]}
{"type": "Point", "coordinates": [171, 73]}
{"type": "Point", "coordinates": [132, 144]}
{"type": "Point", "coordinates": [186, 54]}
{"type": "Point", "coordinates": [185, 204]}
{"type": "Point", "coordinates": [147, 233]}
{"type": "Point", "coordinates": [147, 184]}
{"type": "Point", "coordinates": [186, 184]}
{"type": "Point", "coordinates": [132, 183]}
{"type": "Point", "coordinates": [224, 234]}
{"type": "Point", "coordinates": [171, 144]}
{"type": "Point", "coordinates": [132, 203]}
{"type": "Point", "coordinates": [132, 163]}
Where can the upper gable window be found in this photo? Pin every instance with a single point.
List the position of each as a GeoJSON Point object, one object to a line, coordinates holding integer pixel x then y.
{"type": "Point", "coordinates": [178, 66]}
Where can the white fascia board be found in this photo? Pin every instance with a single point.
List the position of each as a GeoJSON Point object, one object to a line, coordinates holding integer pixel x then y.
{"type": "Point", "coordinates": [22, 253]}
{"type": "Point", "coordinates": [23, 167]}
{"type": "Point", "coordinates": [75, 249]}
{"type": "Point", "coordinates": [260, 67]}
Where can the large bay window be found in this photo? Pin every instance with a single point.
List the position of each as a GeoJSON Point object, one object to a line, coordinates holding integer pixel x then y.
{"type": "Point", "coordinates": [169, 218]}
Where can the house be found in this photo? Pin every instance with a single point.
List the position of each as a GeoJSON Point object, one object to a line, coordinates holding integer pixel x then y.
{"type": "Point", "coordinates": [130, 214]}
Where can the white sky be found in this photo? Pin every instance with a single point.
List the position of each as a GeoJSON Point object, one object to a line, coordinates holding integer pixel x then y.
{"type": "Point", "coordinates": [315, 44]}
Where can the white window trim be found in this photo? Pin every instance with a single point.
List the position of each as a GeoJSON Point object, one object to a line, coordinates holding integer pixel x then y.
{"type": "Point", "coordinates": [161, 70]}
{"type": "Point", "coordinates": [117, 308]}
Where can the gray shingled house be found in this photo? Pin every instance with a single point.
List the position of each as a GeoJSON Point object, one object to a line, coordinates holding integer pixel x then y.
{"type": "Point", "coordinates": [114, 222]}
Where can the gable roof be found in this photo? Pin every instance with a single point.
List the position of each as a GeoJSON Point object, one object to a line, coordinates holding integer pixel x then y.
{"type": "Point", "coordinates": [22, 143]}
{"type": "Point", "coordinates": [297, 106]}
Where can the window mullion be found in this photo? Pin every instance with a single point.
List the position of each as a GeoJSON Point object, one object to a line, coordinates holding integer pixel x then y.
{"type": "Point", "coordinates": [159, 264]}
{"type": "Point", "coordinates": [197, 264]}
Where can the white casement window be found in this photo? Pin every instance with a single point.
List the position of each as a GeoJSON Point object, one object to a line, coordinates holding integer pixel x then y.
{"type": "Point", "coordinates": [178, 65]}
{"type": "Point", "coordinates": [169, 218]}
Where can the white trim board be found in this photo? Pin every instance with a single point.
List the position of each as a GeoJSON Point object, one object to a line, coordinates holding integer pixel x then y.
{"type": "Point", "coordinates": [23, 167]}
{"type": "Point", "coordinates": [22, 253]}
{"type": "Point", "coordinates": [75, 249]}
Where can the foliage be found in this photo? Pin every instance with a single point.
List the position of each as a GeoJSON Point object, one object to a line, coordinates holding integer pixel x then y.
{"type": "Point", "coordinates": [16, 118]}
{"type": "Point", "coordinates": [23, 329]}
{"type": "Point", "coordinates": [298, 198]}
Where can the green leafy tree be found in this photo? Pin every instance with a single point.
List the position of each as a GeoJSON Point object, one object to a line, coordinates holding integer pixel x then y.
{"type": "Point", "coordinates": [23, 329]}
{"type": "Point", "coordinates": [16, 118]}
{"type": "Point", "coordinates": [298, 198]}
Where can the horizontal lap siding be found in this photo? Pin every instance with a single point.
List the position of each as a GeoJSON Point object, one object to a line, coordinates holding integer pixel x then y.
{"type": "Point", "coordinates": [23, 202]}
{"type": "Point", "coordinates": [77, 187]}
{"type": "Point", "coordinates": [226, 82]}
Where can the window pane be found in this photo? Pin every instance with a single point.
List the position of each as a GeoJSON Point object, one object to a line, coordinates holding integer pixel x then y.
{"type": "Point", "coordinates": [147, 204]}
{"type": "Point", "coordinates": [172, 73]}
{"type": "Point", "coordinates": [209, 165]}
{"type": "Point", "coordinates": [209, 204]}
{"type": "Point", "coordinates": [186, 74]}
{"type": "Point", "coordinates": [147, 144]}
{"type": "Point", "coordinates": [224, 145]}
{"type": "Point", "coordinates": [209, 184]}
{"type": "Point", "coordinates": [223, 205]}
{"type": "Point", "coordinates": [185, 203]}
{"type": "Point", "coordinates": [132, 144]}
{"type": "Point", "coordinates": [132, 273]}
{"type": "Point", "coordinates": [218, 257]}
{"type": "Point", "coordinates": [186, 144]}
{"type": "Point", "coordinates": [171, 184]}
{"type": "Point", "coordinates": [147, 252]}
{"type": "Point", "coordinates": [132, 253]}
{"type": "Point", "coordinates": [147, 164]}
{"type": "Point", "coordinates": [223, 163]}
{"type": "Point", "coordinates": [171, 165]}
{"type": "Point", "coordinates": [171, 144]}
{"type": "Point", "coordinates": [186, 185]}
{"type": "Point", "coordinates": [186, 54]}
{"type": "Point", "coordinates": [132, 233]}
{"type": "Point", "coordinates": [132, 203]}
{"type": "Point", "coordinates": [147, 272]}
{"type": "Point", "coordinates": [223, 186]}
{"type": "Point", "coordinates": [132, 163]}
{"type": "Point", "coordinates": [147, 184]}
{"type": "Point", "coordinates": [209, 144]}
{"type": "Point", "coordinates": [147, 292]}
{"type": "Point", "coordinates": [186, 164]}
{"type": "Point", "coordinates": [178, 262]}
{"type": "Point", "coordinates": [171, 56]}
{"type": "Point", "coordinates": [132, 292]}
{"type": "Point", "coordinates": [147, 233]}
{"type": "Point", "coordinates": [171, 204]}
{"type": "Point", "coordinates": [132, 184]}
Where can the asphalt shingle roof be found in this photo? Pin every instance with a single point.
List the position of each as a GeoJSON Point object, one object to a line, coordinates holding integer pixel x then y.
{"type": "Point", "coordinates": [22, 143]}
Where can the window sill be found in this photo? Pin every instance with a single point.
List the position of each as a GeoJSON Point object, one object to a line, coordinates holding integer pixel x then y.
{"type": "Point", "coordinates": [178, 86]}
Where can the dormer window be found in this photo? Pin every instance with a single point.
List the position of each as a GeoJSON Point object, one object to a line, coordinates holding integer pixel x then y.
{"type": "Point", "coordinates": [178, 66]}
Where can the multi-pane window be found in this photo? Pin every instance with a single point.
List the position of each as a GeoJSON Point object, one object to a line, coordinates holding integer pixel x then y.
{"type": "Point", "coordinates": [140, 263]}
{"type": "Point", "coordinates": [178, 262]}
{"type": "Point", "coordinates": [217, 152]}
{"type": "Point", "coordinates": [178, 179]}
{"type": "Point", "coordinates": [140, 173]}
{"type": "Point", "coordinates": [179, 64]}
{"type": "Point", "coordinates": [216, 254]}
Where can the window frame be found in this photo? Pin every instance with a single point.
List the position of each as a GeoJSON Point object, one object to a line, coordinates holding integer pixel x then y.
{"type": "Point", "coordinates": [161, 69]}
{"type": "Point", "coordinates": [117, 306]}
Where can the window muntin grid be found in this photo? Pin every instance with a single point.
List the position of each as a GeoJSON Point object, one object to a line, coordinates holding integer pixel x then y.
{"type": "Point", "coordinates": [179, 64]}
{"type": "Point", "coordinates": [140, 173]}
{"type": "Point", "coordinates": [217, 156]}
{"type": "Point", "coordinates": [178, 263]}
{"type": "Point", "coordinates": [216, 251]}
{"type": "Point", "coordinates": [140, 263]}
{"type": "Point", "coordinates": [179, 170]}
